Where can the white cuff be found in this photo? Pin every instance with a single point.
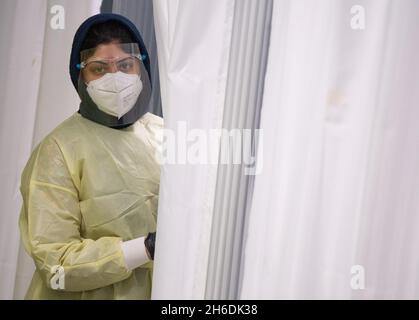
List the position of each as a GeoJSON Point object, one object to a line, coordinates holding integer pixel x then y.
{"type": "Point", "coordinates": [134, 252]}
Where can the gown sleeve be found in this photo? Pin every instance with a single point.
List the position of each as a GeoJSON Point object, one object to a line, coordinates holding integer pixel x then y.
{"type": "Point", "coordinates": [50, 222]}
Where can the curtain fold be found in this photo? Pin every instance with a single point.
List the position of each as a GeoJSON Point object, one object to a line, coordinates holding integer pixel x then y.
{"type": "Point", "coordinates": [234, 189]}
{"type": "Point", "coordinates": [21, 52]}
{"type": "Point", "coordinates": [193, 42]}
{"type": "Point", "coordinates": [335, 212]}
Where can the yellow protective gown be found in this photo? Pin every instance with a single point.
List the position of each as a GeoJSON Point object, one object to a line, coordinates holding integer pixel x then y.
{"type": "Point", "coordinates": [86, 188]}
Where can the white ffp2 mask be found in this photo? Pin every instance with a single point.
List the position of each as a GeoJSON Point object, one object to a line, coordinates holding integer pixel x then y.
{"type": "Point", "coordinates": [115, 93]}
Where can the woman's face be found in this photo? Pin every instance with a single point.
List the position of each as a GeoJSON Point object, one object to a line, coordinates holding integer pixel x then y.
{"type": "Point", "coordinates": [108, 58]}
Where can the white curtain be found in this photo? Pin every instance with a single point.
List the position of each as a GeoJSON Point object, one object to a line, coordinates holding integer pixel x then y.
{"type": "Point", "coordinates": [36, 94]}
{"type": "Point", "coordinates": [335, 211]}
{"type": "Point", "coordinates": [193, 41]}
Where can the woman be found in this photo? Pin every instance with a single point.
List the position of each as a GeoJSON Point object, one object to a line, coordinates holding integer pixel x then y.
{"type": "Point", "coordinates": [90, 188]}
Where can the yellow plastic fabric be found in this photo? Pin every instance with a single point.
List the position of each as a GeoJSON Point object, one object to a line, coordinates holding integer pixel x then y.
{"type": "Point", "coordinates": [86, 188]}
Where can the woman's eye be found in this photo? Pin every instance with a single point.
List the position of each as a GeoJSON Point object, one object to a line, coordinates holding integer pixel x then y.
{"type": "Point", "coordinates": [126, 65]}
{"type": "Point", "coordinates": [99, 70]}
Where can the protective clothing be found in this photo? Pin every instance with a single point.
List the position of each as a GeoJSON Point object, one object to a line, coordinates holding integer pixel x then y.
{"type": "Point", "coordinates": [88, 108]}
{"type": "Point", "coordinates": [115, 93]}
{"type": "Point", "coordinates": [86, 188]}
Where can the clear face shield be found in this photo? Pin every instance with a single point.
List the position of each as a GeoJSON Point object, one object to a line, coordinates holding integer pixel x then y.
{"type": "Point", "coordinates": [113, 83]}
{"type": "Point", "coordinates": [95, 63]}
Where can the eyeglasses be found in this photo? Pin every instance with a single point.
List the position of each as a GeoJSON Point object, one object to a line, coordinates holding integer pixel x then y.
{"type": "Point", "coordinates": [99, 67]}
